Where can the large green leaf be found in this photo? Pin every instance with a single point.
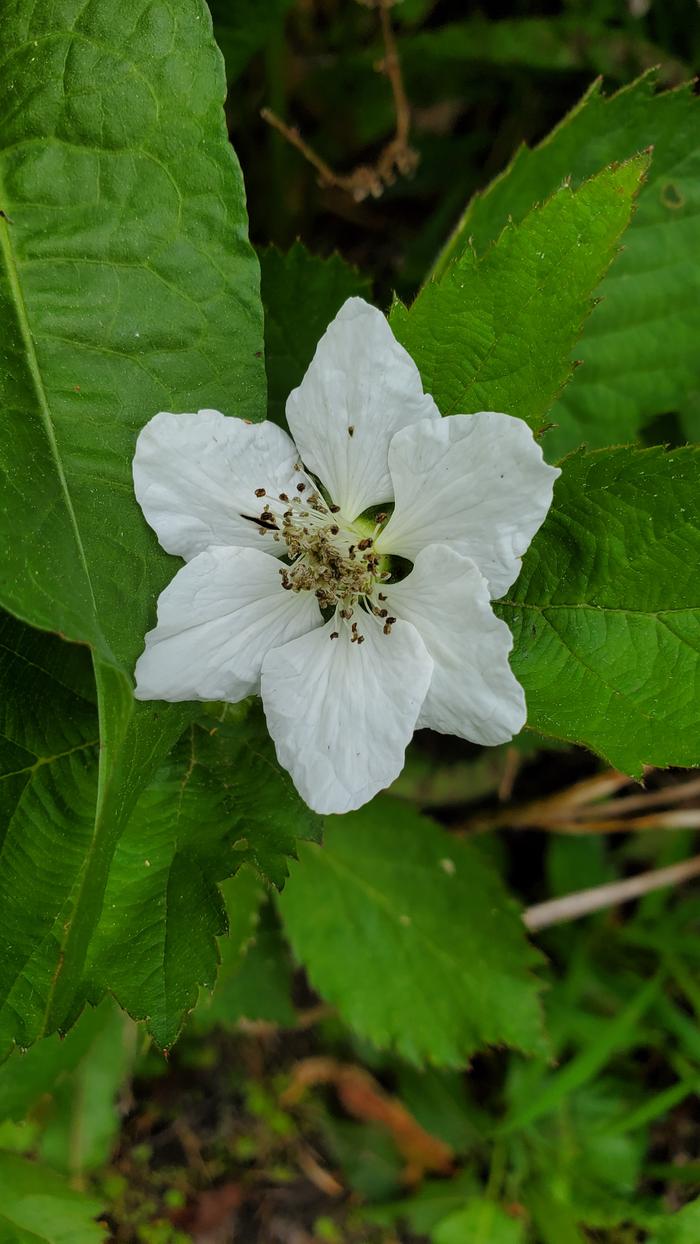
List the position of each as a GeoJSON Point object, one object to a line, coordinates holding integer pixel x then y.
{"type": "Point", "coordinates": [48, 783]}
{"type": "Point", "coordinates": [410, 933]}
{"type": "Point", "coordinates": [640, 346]}
{"type": "Point", "coordinates": [680, 1228]}
{"type": "Point", "coordinates": [127, 286]}
{"type": "Point", "coordinates": [496, 332]}
{"type": "Point", "coordinates": [220, 800]}
{"type": "Point", "coordinates": [37, 1206]}
{"type": "Point", "coordinates": [606, 612]}
{"type": "Point", "coordinates": [301, 294]}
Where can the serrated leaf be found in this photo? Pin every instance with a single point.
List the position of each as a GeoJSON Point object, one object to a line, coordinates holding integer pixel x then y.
{"type": "Point", "coordinates": [301, 294]}
{"type": "Point", "coordinates": [37, 1206]}
{"type": "Point", "coordinates": [218, 801]}
{"type": "Point", "coordinates": [255, 979]}
{"type": "Point", "coordinates": [606, 612]}
{"type": "Point", "coordinates": [48, 784]}
{"type": "Point", "coordinates": [640, 346]}
{"type": "Point", "coordinates": [127, 285]}
{"type": "Point", "coordinates": [410, 934]}
{"type": "Point", "coordinates": [496, 332]}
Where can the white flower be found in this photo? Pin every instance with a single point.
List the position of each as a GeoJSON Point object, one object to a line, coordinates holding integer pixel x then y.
{"type": "Point", "coordinates": [349, 652]}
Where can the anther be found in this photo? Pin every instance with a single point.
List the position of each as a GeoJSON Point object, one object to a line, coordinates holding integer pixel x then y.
{"type": "Point", "coordinates": [334, 509]}
{"type": "Point", "coordinates": [382, 596]}
{"type": "Point", "coordinates": [360, 639]}
{"type": "Point", "coordinates": [334, 530]}
{"type": "Point", "coordinates": [301, 487]}
{"type": "Point", "coordinates": [283, 496]}
{"type": "Point", "coordinates": [351, 430]}
{"type": "Point", "coordinates": [365, 544]}
{"type": "Point", "coordinates": [260, 492]}
{"type": "Point", "coordinates": [381, 518]}
{"type": "Point", "coordinates": [390, 621]}
{"type": "Point", "coordinates": [387, 629]}
{"type": "Point", "coordinates": [334, 634]}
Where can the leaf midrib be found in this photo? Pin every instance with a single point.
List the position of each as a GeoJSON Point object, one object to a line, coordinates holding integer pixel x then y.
{"type": "Point", "coordinates": [15, 287]}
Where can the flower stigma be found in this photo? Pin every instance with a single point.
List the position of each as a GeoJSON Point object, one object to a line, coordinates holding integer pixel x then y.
{"type": "Point", "coordinates": [333, 558]}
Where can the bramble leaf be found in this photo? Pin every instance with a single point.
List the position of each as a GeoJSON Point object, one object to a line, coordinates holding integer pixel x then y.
{"type": "Point", "coordinates": [606, 612]}
{"type": "Point", "coordinates": [220, 800]}
{"type": "Point", "coordinates": [640, 346]}
{"type": "Point", "coordinates": [410, 934]}
{"type": "Point", "coordinates": [127, 285]}
{"type": "Point", "coordinates": [496, 331]}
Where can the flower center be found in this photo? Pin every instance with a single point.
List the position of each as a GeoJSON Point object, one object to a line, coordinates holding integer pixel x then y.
{"type": "Point", "coordinates": [330, 557]}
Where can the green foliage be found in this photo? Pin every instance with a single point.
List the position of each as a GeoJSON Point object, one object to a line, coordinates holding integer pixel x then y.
{"type": "Point", "coordinates": [680, 1228]}
{"type": "Point", "coordinates": [496, 332]}
{"type": "Point", "coordinates": [480, 1222]}
{"type": "Point", "coordinates": [118, 120]}
{"type": "Point", "coordinates": [219, 800]}
{"type": "Point", "coordinates": [38, 1207]}
{"type": "Point", "coordinates": [640, 346]}
{"type": "Point", "coordinates": [301, 295]}
{"type": "Point", "coordinates": [82, 1124]}
{"type": "Point", "coordinates": [254, 980]}
{"type": "Point", "coordinates": [605, 614]}
{"type": "Point", "coordinates": [49, 743]}
{"type": "Point", "coordinates": [411, 935]}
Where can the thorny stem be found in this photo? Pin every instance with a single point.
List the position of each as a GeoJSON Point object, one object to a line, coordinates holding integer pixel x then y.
{"type": "Point", "coordinates": [584, 902]}
{"type": "Point", "coordinates": [396, 157]}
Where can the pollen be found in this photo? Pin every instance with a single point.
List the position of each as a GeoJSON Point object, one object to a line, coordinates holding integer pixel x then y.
{"type": "Point", "coordinates": [334, 561]}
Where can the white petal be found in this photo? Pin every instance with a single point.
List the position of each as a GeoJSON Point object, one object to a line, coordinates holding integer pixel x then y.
{"type": "Point", "coordinates": [195, 475]}
{"type": "Point", "coordinates": [342, 714]}
{"type": "Point", "coordinates": [473, 692]}
{"type": "Point", "coordinates": [216, 621]}
{"type": "Point", "coordinates": [360, 388]}
{"type": "Point", "coordinates": [477, 483]}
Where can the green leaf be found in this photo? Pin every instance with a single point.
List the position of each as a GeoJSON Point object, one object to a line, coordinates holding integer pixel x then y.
{"type": "Point", "coordinates": [255, 981]}
{"type": "Point", "coordinates": [127, 286]}
{"type": "Point", "coordinates": [640, 346]}
{"type": "Point", "coordinates": [480, 1222]}
{"type": "Point", "coordinates": [496, 332]}
{"type": "Point", "coordinates": [301, 294]}
{"type": "Point", "coordinates": [606, 612]}
{"type": "Point", "coordinates": [48, 783]}
{"type": "Point", "coordinates": [81, 1125]}
{"type": "Point", "coordinates": [410, 934]}
{"type": "Point", "coordinates": [31, 1076]}
{"type": "Point", "coordinates": [38, 1207]}
{"type": "Point", "coordinates": [218, 801]}
{"type": "Point", "coordinates": [680, 1228]}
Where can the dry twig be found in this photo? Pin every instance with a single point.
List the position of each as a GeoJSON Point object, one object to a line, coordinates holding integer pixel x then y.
{"type": "Point", "coordinates": [583, 902]}
{"type": "Point", "coordinates": [397, 157]}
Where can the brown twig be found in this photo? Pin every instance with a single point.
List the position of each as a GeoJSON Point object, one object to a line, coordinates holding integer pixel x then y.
{"type": "Point", "coordinates": [584, 902]}
{"type": "Point", "coordinates": [396, 157]}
